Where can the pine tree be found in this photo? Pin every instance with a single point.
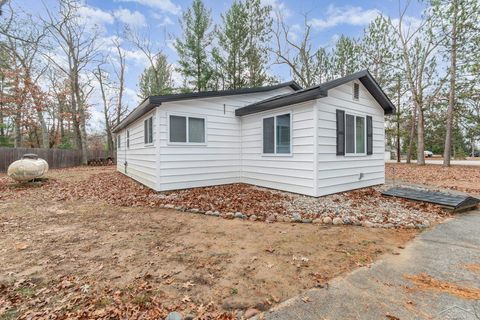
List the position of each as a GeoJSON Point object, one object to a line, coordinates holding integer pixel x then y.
{"type": "Point", "coordinates": [233, 36]}
{"type": "Point", "coordinates": [193, 47]}
{"type": "Point", "coordinates": [259, 36]}
{"type": "Point", "coordinates": [346, 57]}
{"type": "Point", "coordinates": [459, 22]}
{"type": "Point", "coordinates": [156, 80]}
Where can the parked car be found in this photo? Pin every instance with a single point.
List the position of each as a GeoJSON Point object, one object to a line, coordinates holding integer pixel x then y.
{"type": "Point", "coordinates": [476, 153]}
{"type": "Point", "coordinates": [428, 154]}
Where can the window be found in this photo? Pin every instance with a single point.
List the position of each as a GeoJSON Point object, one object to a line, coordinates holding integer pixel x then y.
{"type": "Point", "coordinates": [354, 134]}
{"type": "Point", "coordinates": [356, 91]}
{"type": "Point", "coordinates": [128, 139]}
{"type": "Point", "coordinates": [185, 129]}
{"type": "Point", "coordinates": [118, 142]}
{"type": "Point", "coordinates": [148, 130]}
{"type": "Point", "coordinates": [277, 134]}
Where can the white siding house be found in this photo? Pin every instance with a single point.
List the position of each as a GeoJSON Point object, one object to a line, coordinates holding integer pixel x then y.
{"type": "Point", "coordinates": [313, 141]}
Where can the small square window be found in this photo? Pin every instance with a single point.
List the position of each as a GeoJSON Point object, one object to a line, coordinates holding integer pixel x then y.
{"type": "Point", "coordinates": [183, 129]}
{"type": "Point", "coordinates": [356, 91]}
{"type": "Point", "coordinates": [148, 131]}
{"type": "Point", "coordinates": [277, 134]}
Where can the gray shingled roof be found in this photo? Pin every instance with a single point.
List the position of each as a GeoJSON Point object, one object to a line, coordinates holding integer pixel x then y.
{"type": "Point", "coordinates": [154, 101]}
{"type": "Point", "coordinates": [321, 91]}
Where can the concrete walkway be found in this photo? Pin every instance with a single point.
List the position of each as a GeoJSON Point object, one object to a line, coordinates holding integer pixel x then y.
{"type": "Point", "coordinates": [382, 292]}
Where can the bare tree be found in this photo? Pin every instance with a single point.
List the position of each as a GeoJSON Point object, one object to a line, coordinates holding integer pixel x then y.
{"type": "Point", "coordinates": [307, 65]}
{"type": "Point", "coordinates": [107, 104]}
{"type": "Point", "coordinates": [417, 45]}
{"type": "Point", "coordinates": [24, 42]}
{"type": "Point", "coordinates": [79, 45]}
{"type": "Point", "coordinates": [119, 69]}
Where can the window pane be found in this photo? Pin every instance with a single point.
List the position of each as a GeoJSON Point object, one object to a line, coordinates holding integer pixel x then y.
{"type": "Point", "coordinates": [150, 130]}
{"type": "Point", "coordinates": [349, 133]}
{"type": "Point", "coordinates": [283, 133]}
{"type": "Point", "coordinates": [268, 135]}
{"type": "Point", "coordinates": [196, 130]}
{"type": "Point", "coordinates": [360, 134]}
{"type": "Point", "coordinates": [178, 129]}
{"type": "Point", "coordinates": [145, 131]}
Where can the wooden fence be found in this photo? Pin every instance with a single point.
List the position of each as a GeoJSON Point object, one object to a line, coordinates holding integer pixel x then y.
{"type": "Point", "coordinates": [56, 158]}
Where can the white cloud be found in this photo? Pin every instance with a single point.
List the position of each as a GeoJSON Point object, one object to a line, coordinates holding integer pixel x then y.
{"type": "Point", "coordinates": [95, 16]}
{"type": "Point", "coordinates": [278, 6]}
{"type": "Point", "coordinates": [133, 18]}
{"type": "Point", "coordinates": [345, 15]}
{"type": "Point", "coordinates": [164, 5]}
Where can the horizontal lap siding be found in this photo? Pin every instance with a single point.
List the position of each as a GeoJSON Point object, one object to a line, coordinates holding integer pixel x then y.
{"type": "Point", "coordinates": [217, 162]}
{"type": "Point", "coordinates": [341, 173]}
{"type": "Point", "coordinates": [290, 173]}
{"type": "Point", "coordinates": [141, 158]}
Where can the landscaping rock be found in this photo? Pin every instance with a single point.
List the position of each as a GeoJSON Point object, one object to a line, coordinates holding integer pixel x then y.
{"type": "Point", "coordinates": [239, 215]}
{"type": "Point", "coordinates": [296, 217]}
{"type": "Point", "coordinates": [216, 213]}
{"type": "Point", "coordinates": [229, 215]}
{"type": "Point", "coordinates": [327, 220]}
{"type": "Point", "coordinates": [307, 220]}
{"type": "Point", "coordinates": [337, 221]}
{"type": "Point", "coordinates": [271, 218]}
{"type": "Point", "coordinates": [367, 224]}
{"type": "Point", "coordinates": [169, 206]}
{"type": "Point", "coordinates": [194, 210]}
{"type": "Point", "coordinates": [253, 217]}
{"type": "Point", "coordinates": [189, 317]}
{"type": "Point", "coordinates": [251, 313]}
{"type": "Point", "coordinates": [317, 221]}
{"type": "Point", "coordinates": [174, 316]}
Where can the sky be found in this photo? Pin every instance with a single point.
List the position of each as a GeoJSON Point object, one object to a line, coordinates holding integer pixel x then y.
{"type": "Point", "coordinates": [160, 20]}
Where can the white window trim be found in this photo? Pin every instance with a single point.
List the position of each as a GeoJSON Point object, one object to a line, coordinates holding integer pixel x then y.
{"type": "Point", "coordinates": [275, 154]}
{"type": "Point", "coordinates": [353, 91]}
{"type": "Point", "coordinates": [187, 115]}
{"type": "Point", "coordinates": [148, 144]}
{"type": "Point", "coordinates": [356, 115]}
{"type": "Point", "coordinates": [119, 141]}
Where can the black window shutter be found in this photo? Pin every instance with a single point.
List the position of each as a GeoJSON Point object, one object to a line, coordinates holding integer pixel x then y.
{"type": "Point", "coordinates": [340, 133]}
{"type": "Point", "coordinates": [369, 135]}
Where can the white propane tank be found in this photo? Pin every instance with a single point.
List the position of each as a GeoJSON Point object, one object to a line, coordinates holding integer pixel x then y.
{"type": "Point", "coordinates": [28, 168]}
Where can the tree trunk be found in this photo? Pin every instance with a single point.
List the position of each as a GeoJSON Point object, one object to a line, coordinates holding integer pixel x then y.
{"type": "Point", "coordinates": [451, 97]}
{"type": "Point", "coordinates": [43, 130]}
{"type": "Point", "coordinates": [420, 137]}
{"type": "Point", "coordinates": [412, 134]}
{"type": "Point", "coordinates": [82, 122]}
{"type": "Point", "coordinates": [18, 140]}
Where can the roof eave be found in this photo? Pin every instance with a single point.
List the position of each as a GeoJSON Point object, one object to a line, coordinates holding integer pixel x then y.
{"type": "Point", "coordinates": [281, 102]}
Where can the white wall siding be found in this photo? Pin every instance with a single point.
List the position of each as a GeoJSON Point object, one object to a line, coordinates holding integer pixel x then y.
{"type": "Point", "coordinates": [141, 159]}
{"type": "Point", "coordinates": [292, 173]}
{"type": "Point", "coordinates": [219, 160]}
{"type": "Point", "coordinates": [342, 173]}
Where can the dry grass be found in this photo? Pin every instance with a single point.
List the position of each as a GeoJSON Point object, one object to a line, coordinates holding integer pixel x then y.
{"type": "Point", "coordinates": [149, 255]}
{"type": "Point", "coordinates": [424, 281]}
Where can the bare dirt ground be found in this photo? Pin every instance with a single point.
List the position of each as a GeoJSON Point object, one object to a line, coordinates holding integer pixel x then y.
{"type": "Point", "coordinates": [81, 254]}
{"type": "Point", "coordinates": [461, 178]}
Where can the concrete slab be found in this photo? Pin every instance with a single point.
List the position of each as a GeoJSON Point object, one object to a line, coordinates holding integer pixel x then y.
{"type": "Point", "coordinates": [381, 291]}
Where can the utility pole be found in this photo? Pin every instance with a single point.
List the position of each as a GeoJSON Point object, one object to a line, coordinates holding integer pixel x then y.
{"type": "Point", "coordinates": [398, 121]}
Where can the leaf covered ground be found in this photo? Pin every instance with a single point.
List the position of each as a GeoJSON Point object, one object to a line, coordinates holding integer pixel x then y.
{"type": "Point", "coordinates": [461, 178]}
{"type": "Point", "coordinates": [89, 243]}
